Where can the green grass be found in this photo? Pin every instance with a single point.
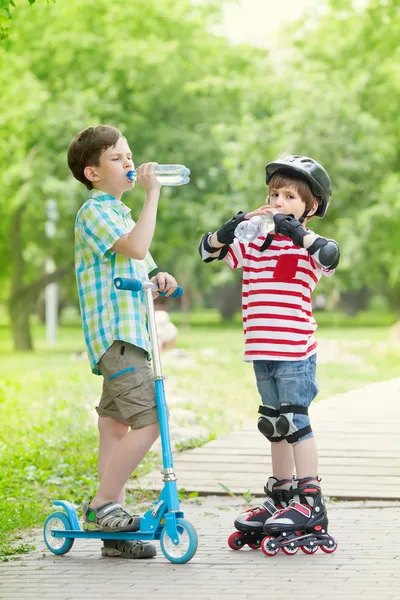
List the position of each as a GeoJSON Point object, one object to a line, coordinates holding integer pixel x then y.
{"type": "Point", "coordinates": [48, 434]}
{"type": "Point", "coordinates": [226, 384]}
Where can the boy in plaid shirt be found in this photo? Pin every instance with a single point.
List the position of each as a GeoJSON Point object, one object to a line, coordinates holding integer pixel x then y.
{"type": "Point", "coordinates": [109, 244]}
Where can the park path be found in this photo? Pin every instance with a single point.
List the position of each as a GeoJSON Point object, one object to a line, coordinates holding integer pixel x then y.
{"type": "Point", "coordinates": [358, 436]}
{"type": "Point", "coordinates": [358, 440]}
{"type": "Point", "coordinates": [365, 564]}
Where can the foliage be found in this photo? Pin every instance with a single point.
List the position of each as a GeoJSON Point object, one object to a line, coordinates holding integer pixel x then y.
{"type": "Point", "coordinates": [5, 7]}
{"type": "Point", "coordinates": [181, 94]}
{"type": "Point", "coordinates": [155, 72]}
{"type": "Point", "coordinates": [6, 16]}
{"type": "Point", "coordinates": [349, 59]}
{"type": "Point", "coordinates": [194, 442]}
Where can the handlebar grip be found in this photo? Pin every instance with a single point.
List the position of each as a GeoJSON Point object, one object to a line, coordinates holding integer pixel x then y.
{"type": "Point", "coordinates": [176, 294]}
{"type": "Point", "coordinates": [125, 283]}
{"type": "Point", "coordinates": [135, 285]}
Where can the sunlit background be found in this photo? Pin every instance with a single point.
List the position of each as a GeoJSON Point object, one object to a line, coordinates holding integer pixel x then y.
{"type": "Point", "coordinates": [223, 88]}
{"type": "Point", "coordinates": [264, 23]}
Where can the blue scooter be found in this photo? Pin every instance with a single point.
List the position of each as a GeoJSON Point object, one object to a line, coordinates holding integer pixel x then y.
{"type": "Point", "coordinates": [165, 522]}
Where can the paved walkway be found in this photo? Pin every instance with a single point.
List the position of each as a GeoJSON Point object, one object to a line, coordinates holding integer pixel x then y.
{"type": "Point", "coordinates": [366, 564]}
{"type": "Point", "coordinates": [358, 436]}
{"type": "Point", "coordinates": [360, 458]}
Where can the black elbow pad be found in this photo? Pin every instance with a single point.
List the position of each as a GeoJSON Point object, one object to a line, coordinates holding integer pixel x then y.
{"type": "Point", "coordinates": [223, 253]}
{"type": "Point", "coordinates": [205, 244]}
{"type": "Point", "coordinates": [326, 252]}
{"type": "Point", "coordinates": [206, 251]}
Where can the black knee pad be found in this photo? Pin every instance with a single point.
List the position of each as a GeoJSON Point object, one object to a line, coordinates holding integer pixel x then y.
{"type": "Point", "coordinates": [266, 423]}
{"type": "Point", "coordinates": [287, 428]}
{"type": "Point", "coordinates": [282, 425]}
{"type": "Point", "coordinates": [265, 427]}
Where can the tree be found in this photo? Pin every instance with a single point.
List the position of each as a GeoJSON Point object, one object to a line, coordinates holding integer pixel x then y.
{"type": "Point", "coordinates": [6, 16]}
{"type": "Point", "coordinates": [152, 70]}
{"type": "Point", "coordinates": [5, 7]}
{"type": "Point", "coordinates": [343, 111]}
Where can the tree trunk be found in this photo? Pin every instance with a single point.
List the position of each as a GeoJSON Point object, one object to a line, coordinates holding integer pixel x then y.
{"type": "Point", "coordinates": [18, 305]}
{"type": "Point", "coordinates": [393, 295]}
{"type": "Point", "coordinates": [229, 299]}
{"type": "Point", "coordinates": [354, 300]}
{"type": "Point", "coordinates": [185, 306]}
{"type": "Point", "coordinates": [19, 311]}
{"type": "Point", "coordinates": [23, 297]}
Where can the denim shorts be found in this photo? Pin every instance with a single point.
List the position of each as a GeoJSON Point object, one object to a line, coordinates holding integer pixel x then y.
{"type": "Point", "coordinates": [288, 382]}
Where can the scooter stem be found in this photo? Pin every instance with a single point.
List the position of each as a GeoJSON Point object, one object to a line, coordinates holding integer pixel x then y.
{"type": "Point", "coordinates": [168, 463]}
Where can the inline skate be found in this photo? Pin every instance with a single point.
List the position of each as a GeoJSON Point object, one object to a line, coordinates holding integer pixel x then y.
{"type": "Point", "coordinates": [303, 524]}
{"type": "Point", "coordinates": [250, 523]}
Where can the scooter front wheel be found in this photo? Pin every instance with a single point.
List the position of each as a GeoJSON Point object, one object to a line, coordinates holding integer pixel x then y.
{"type": "Point", "coordinates": [187, 545]}
{"type": "Point", "coordinates": [57, 545]}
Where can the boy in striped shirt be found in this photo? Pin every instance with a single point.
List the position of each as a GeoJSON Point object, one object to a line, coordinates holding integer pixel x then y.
{"type": "Point", "coordinates": [109, 244]}
{"type": "Point", "coordinates": [280, 272]}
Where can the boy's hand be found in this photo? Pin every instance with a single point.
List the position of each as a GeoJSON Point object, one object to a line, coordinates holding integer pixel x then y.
{"type": "Point", "coordinates": [289, 226]}
{"type": "Point", "coordinates": [146, 177]}
{"type": "Point", "coordinates": [226, 233]}
{"type": "Point", "coordinates": [262, 210]}
{"type": "Point", "coordinates": [166, 283]}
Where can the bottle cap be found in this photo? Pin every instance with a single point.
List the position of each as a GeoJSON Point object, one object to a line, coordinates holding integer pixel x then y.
{"type": "Point", "coordinates": [131, 175]}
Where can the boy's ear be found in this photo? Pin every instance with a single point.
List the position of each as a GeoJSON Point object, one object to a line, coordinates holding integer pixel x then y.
{"type": "Point", "coordinates": [91, 174]}
{"type": "Point", "coordinates": [313, 210]}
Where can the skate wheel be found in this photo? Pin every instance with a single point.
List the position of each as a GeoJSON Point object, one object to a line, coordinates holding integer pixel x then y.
{"type": "Point", "coordinates": [255, 546]}
{"type": "Point", "coordinates": [266, 546]}
{"type": "Point", "coordinates": [235, 540]}
{"type": "Point", "coordinates": [309, 549]}
{"type": "Point", "coordinates": [331, 547]}
{"type": "Point", "coordinates": [290, 550]}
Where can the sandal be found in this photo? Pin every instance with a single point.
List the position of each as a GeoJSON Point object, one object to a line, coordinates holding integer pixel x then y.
{"type": "Point", "coordinates": [109, 517]}
{"type": "Point", "coordinates": [128, 549]}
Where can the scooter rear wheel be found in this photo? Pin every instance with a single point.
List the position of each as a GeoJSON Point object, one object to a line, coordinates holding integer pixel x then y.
{"type": "Point", "coordinates": [57, 545]}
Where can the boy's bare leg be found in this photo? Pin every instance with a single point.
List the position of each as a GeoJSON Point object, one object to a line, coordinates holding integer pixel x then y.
{"type": "Point", "coordinates": [127, 455]}
{"type": "Point", "coordinates": [282, 460]}
{"type": "Point", "coordinates": [306, 458]}
{"type": "Point", "coordinates": [111, 433]}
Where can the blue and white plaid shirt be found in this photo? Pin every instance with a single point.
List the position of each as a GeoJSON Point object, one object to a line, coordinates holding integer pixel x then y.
{"type": "Point", "coordinates": [108, 314]}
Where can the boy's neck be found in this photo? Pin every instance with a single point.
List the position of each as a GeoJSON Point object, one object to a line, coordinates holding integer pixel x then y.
{"type": "Point", "coordinates": [109, 191]}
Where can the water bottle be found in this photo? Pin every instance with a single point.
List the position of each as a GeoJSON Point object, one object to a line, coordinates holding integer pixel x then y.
{"type": "Point", "coordinates": [167, 174]}
{"type": "Point", "coordinates": [250, 229]}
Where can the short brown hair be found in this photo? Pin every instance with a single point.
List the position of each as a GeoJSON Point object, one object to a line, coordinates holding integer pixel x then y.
{"type": "Point", "coordinates": [86, 148]}
{"type": "Point", "coordinates": [280, 180]}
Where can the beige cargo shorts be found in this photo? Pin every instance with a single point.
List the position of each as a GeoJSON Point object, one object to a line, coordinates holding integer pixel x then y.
{"type": "Point", "coordinates": [128, 386]}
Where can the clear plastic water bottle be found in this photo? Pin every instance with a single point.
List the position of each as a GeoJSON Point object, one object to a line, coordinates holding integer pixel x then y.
{"type": "Point", "coordinates": [250, 229]}
{"type": "Point", "coordinates": [167, 174]}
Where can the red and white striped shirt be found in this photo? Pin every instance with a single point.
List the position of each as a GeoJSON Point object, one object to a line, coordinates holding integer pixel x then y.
{"type": "Point", "coordinates": [276, 298]}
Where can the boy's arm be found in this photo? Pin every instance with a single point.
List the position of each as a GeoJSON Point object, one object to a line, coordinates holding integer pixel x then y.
{"type": "Point", "coordinates": [324, 251]}
{"type": "Point", "coordinates": [136, 243]}
{"type": "Point", "coordinates": [215, 246]}
{"type": "Point", "coordinates": [210, 251]}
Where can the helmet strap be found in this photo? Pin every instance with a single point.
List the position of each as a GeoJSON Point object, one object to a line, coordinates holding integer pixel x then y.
{"type": "Point", "coordinates": [304, 216]}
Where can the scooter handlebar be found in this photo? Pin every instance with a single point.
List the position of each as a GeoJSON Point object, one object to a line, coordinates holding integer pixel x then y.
{"type": "Point", "coordinates": [135, 285]}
